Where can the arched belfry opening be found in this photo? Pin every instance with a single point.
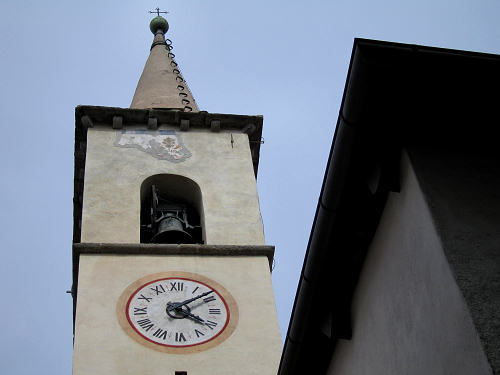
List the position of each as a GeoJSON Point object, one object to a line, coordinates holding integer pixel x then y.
{"type": "Point", "coordinates": [171, 210]}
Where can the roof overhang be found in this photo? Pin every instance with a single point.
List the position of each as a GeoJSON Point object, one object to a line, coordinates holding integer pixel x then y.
{"type": "Point", "coordinates": [396, 96]}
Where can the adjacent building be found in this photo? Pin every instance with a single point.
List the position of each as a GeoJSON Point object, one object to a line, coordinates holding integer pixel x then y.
{"type": "Point", "coordinates": [402, 271]}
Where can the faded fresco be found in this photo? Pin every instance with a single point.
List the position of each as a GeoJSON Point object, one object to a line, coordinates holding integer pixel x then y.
{"type": "Point", "coordinates": [161, 144]}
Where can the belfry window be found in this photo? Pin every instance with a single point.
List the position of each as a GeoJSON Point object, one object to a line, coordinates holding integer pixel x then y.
{"type": "Point", "coordinates": [170, 210]}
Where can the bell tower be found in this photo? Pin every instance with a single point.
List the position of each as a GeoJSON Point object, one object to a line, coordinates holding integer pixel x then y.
{"type": "Point", "coordinates": [171, 273]}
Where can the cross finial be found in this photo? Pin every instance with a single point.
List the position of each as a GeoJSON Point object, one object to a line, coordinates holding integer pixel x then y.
{"type": "Point", "coordinates": [157, 11]}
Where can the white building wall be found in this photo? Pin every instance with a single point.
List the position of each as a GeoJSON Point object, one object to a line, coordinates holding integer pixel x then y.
{"type": "Point", "coordinates": [409, 316]}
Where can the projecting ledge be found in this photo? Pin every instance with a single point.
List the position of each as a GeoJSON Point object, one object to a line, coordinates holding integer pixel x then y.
{"type": "Point", "coordinates": [174, 249]}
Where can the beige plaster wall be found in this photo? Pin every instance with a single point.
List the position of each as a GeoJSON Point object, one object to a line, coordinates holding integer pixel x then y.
{"type": "Point", "coordinates": [113, 176]}
{"type": "Point", "coordinates": [102, 347]}
{"type": "Point", "coordinates": [409, 316]}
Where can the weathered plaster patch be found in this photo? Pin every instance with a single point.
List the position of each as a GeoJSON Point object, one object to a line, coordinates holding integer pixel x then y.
{"type": "Point", "coordinates": [161, 144]}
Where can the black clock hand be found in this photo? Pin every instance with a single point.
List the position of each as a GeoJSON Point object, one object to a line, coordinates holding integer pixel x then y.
{"type": "Point", "coordinates": [173, 306]}
{"type": "Point", "coordinates": [186, 313]}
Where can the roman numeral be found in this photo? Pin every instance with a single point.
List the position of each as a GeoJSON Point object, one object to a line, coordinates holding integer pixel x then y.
{"type": "Point", "coordinates": [210, 324]}
{"type": "Point", "coordinates": [209, 299]}
{"type": "Point", "coordinates": [198, 333]}
{"type": "Point", "coordinates": [140, 310]}
{"type": "Point", "coordinates": [195, 289]}
{"type": "Point", "coordinates": [157, 289]}
{"type": "Point", "coordinates": [179, 337]}
{"type": "Point", "coordinates": [177, 286]}
{"type": "Point", "coordinates": [161, 334]}
{"type": "Point", "coordinates": [145, 298]}
{"type": "Point", "coordinates": [214, 311]}
{"type": "Point", "coordinates": [145, 324]}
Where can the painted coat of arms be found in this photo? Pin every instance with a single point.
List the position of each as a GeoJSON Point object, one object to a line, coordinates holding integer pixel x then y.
{"type": "Point", "coordinates": [161, 144]}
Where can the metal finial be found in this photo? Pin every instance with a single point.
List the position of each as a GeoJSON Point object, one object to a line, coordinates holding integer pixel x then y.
{"type": "Point", "coordinates": [157, 11]}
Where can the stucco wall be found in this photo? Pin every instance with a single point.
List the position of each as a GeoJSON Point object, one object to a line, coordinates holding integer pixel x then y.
{"type": "Point", "coordinates": [462, 189]}
{"type": "Point", "coordinates": [113, 177]}
{"type": "Point", "coordinates": [409, 316]}
{"type": "Point", "coordinates": [103, 348]}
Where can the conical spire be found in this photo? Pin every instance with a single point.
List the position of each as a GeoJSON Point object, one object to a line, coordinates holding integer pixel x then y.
{"type": "Point", "coordinates": [161, 84]}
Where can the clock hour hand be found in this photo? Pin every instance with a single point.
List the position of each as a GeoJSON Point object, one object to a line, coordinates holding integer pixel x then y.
{"type": "Point", "coordinates": [184, 312]}
{"type": "Point", "coordinates": [173, 306]}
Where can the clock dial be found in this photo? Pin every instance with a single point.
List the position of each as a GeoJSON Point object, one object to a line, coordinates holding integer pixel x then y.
{"type": "Point", "coordinates": [176, 311]}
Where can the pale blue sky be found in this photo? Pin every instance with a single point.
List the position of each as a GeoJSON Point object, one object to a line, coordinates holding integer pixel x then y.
{"type": "Point", "coordinates": [284, 59]}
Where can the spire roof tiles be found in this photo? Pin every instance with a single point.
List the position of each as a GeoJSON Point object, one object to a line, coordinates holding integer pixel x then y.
{"type": "Point", "coordinates": [161, 84]}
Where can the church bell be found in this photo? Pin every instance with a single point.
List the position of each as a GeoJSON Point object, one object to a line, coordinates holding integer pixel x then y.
{"type": "Point", "coordinates": [169, 221]}
{"type": "Point", "coordinates": [171, 230]}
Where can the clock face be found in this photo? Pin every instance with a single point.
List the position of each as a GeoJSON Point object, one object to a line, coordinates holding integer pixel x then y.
{"type": "Point", "coordinates": [175, 311]}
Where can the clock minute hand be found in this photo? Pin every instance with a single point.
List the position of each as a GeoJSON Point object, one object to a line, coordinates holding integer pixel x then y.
{"type": "Point", "coordinates": [173, 306]}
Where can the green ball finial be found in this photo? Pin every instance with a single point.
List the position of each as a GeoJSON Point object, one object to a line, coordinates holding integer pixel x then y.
{"type": "Point", "coordinates": [158, 23]}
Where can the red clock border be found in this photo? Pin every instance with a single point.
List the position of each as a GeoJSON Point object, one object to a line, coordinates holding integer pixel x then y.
{"type": "Point", "coordinates": [222, 292]}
